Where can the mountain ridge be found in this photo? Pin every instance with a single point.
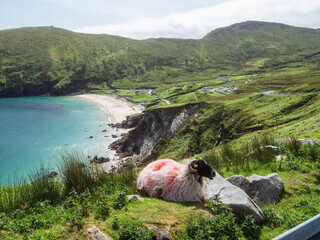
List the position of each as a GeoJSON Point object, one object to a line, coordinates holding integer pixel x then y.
{"type": "Point", "coordinates": [49, 60]}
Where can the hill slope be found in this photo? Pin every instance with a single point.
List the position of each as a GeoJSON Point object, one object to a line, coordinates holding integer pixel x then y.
{"type": "Point", "coordinates": [47, 60]}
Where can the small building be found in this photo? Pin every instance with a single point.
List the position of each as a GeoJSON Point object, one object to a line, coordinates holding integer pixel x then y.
{"type": "Point", "coordinates": [224, 79]}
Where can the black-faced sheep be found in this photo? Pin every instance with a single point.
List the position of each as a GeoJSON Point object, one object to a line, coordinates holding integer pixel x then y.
{"type": "Point", "coordinates": [172, 181]}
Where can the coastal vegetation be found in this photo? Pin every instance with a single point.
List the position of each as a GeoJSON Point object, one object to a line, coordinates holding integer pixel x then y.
{"type": "Point", "coordinates": [63, 207]}
{"type": "Point", "coordinates": [226, 131]}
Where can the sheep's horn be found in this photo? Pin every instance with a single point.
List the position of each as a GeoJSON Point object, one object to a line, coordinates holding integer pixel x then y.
{"type": "Point", "coordinates": [191, 168]}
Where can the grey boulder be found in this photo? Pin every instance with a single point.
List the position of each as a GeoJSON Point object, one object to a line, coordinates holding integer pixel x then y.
{"type": "Point", "coordinates": [133, 198]}
{"type": "Point", "coordinates": [233, 196]}
{"type": "Point", "coordinates": [95, 234]}
{"type": "Point", "coordinates": [300, 141]}
{"type": "Point", "coordinates": [308, 141]}
{"type": "Point", "coordinates": [264, 190]}
{"type": "Point", "coordinates": [163, 232]}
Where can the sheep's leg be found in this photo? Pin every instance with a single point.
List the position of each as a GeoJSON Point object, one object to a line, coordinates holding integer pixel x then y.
{"type": "Point", "coordinates": [158, 191]}
{"type": "Point", "coordinates": [143, 192]}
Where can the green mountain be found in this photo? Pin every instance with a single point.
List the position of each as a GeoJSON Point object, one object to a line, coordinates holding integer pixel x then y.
{"type": "Point", "coordinates": [48, 60]}
{"type": "Point", "coordinates": [232, 131]}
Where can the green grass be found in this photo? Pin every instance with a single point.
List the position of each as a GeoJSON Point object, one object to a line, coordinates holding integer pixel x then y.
{"type": "Point", "coordinates": [102, 200]}
{"type": "Point", "coordinates": [256, 56]}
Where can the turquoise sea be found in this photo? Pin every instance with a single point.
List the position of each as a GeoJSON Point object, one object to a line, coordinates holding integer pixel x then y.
{"type": "Point", "coordinates": [34, 131]}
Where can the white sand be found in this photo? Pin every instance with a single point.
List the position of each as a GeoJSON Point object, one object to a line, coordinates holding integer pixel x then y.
{"type": "Point", "coordinates": [117, 108]}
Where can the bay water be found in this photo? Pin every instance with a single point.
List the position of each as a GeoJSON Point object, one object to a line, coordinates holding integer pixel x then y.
{"type": "Point", "coordinates": [35, 131]}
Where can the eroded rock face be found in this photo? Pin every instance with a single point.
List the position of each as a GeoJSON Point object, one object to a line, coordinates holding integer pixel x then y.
{"type": "Point", "coordinates": [264, 190]}
{"type": "Point", "coordinates": [150, 128]}
{"type": "Point", "coordinates": [232, 196]}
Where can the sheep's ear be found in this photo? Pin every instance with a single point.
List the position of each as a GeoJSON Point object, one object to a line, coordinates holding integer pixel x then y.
{"type": "Point", "coordinates": [193, 166]}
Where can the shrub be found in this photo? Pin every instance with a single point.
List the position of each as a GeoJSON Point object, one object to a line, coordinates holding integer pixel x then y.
{"type": "Point", "coordinates": [129, 230]}
{"type": "Point", "coordinates": [120, 200]}
{"type": "Point", "coordinates": [24, 221]}
{"type": "Point", "coordinates": [79, 202]}
{"type": "Point", "coordinates": [249, 228]}
{"type": "Point", "coordinates": [221, 226]}
{"type": "Point", "coordinates": [74, 219]}
{"type": "Point", "coordinates": [102, 208]}
{"type": "Point", "coordinates": [310, 152]}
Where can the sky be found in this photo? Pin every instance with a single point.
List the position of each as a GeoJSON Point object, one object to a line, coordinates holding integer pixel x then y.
{"type": "Point", "coordinates": [142, 19]}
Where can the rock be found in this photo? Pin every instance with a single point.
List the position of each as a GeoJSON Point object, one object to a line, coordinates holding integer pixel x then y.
{"type": "Point", "coordinates": [114, 136]}
{"type": "Point", "coordinates": [281, 157]}
{"type": "Point", "coordinates": [51, 175]}
{"type": "Point", "coordinates": [268, 148]}
{"type": "Point", "coordinates": [132, 198]}
{"type": "Point", "coordinates": [283, 140]}
{"type": "Point", "coordinates": [301, 141]}
{"type": "Point", "coordinates": [163, 233]}
{"type": "Point", "coordinates": [104, 130]}
{"type": "Point", "coordinates": [91, 137]}
{"type": "Point", "coordinates": [264, 190]}
{"type": "Point", "coordinates": [232, 196]}
{"type": "Point", "coordinates": [99, 160]}
{"type": "Point", "coordinates": [308, 141]}
{"type": "Point", "coordinates": [95, 234]}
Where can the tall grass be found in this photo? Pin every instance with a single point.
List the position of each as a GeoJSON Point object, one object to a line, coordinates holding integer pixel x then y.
{"type": "Point", "coordinates": [263, 151]}
{"type": "Point", "coordinates": [126, 179]}
{"type": "Point", "coordinates": [229, 156]}
{"type": "Point", "coordinates": [28, 194]}
{"type": "Point", "coordinates": [78, 175]}
{"type": "Point", "coordinates": [75, 175]}
{"type": "Point", "coordinates": [292, 144]}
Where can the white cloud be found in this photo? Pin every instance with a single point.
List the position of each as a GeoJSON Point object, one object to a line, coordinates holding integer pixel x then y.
{"type": "Point", "coordinates": [197, 23]}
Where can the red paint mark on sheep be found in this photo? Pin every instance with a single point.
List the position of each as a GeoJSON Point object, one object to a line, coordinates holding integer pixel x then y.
{"type": "Point", "coordinates": [158, 165]}
{"type": "Point", "coordinates": [173, 174]}
{"type": "Point", "coordinates": [176, 169]}
{"type": "Point", "coordinates": [150, 181]}
{"type": "Point", "coordinates": [171, 179]}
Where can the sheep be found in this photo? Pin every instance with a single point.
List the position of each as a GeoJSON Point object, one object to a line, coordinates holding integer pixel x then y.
{"type": "Point", "coordinates": [175, 182]}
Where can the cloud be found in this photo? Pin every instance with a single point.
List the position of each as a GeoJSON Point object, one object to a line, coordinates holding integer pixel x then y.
{"type": "Point", "coordinates": [198, 22]}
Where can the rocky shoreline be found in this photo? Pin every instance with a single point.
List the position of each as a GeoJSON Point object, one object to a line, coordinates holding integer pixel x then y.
{"type": "Point", "coordinates": [118, 110]}
{"type": "Point", "coordinates": [138, 135]}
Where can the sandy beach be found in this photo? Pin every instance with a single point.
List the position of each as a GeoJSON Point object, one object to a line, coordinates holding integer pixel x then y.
{"type": "Point", "coordinates": [117, 108]}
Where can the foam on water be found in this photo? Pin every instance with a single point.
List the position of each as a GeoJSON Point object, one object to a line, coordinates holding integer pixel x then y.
{"type": "Point", "coordinates": [34, 131]}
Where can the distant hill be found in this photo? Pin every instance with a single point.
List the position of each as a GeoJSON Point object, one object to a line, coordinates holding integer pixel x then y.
{"type": "Point", "coordinates": [49, 60]}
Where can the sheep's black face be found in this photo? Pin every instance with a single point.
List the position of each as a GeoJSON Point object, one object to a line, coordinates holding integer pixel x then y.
{"type": "Point", "coordinates": [203, 168]}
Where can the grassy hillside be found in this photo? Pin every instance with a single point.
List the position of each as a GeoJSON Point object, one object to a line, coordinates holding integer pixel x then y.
{"type": "Point", "coordinates": [256, 56]}
{"type": "Point", "coordinates": [48, 209]}
{"type": "Point", "coordinates": [47, 60]}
